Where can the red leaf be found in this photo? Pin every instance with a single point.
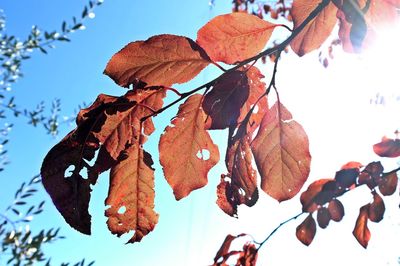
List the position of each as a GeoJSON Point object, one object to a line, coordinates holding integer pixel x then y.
{"type": "Point", "coordinates": [160, 60]}
{"type": "Point", "coordinates": [132, 188]}
{"type": "Point", "coordinates": [248, 257]}
{"type": "Point", "coordinates": [281, 152]}
{"type": "Point", "coordinates": [314, 190]}
{"type": "Point", "coordinates": [240, 185]}
{"type": "Point", "coordinates": [234, 37]}
{"type": "Point", "coordinates": [317, 31]}
{"type": "Point", "coordinates": [376, 209]}
{"type": "Point", "coordinates": [223, 253]}
{"type": "Point", "coordinates": [187, 152]}
{"type": "Point", "coordinates": [361, 231]}
{"type": "Point", "coordinates": [113, 126]}
{"type": "Point", "coordinates": [388, 184]}
{"type": "Point", "coordinates": [388, 148]}
{"type": "Point", "coordinates": [224, 102]}
{"type": "Point", "coordinates": [323, 217]}
{"type": "Point", "coordinates": [305, 232]}
{"type": "Point", "coordinates": [351, 165]}
{"type": "Point", "coordinates": [336, 210]}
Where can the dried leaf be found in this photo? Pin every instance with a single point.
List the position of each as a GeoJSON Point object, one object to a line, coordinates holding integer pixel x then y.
{"type": "Point", "coordinates": [234, 37]}
{"type": "Point", "coordinates": [317, 31]}
{"type": "Point", "coordinates": [131, 195]}
{"type": "Point", "coordinates": [376, 209]}
{"type": "Point", "coordinates": [336, 210]}
{"type": "Point", "coordinates": [361, 231]}
{"type": "Point", "coordinates": [281, 152]}
{"type": "Point", "coordinates": [187, 152]}
{"type": "Point", "coordinates": [224, 102]}
{"type": "Point", "coordinates": [223, 253]}
{"type": "Point", "coordinates": [248, 257]}
{"type": "Point", "coordinates": [388, 184]}
{"type": "Point", "coordinates": [388, 148]}
{"type": "Point", "coordinates": [111, 125]}
{"type": "Point", "coordinates": [305, 232]}
{"type": "Point", "coordinates": [347, 177]}
{"type": "Point", "coordinates": [240, 185]}
{"type": "Point", "coordinates": [160, 60]}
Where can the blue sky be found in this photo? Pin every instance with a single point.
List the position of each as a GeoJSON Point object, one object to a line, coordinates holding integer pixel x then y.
{"type": "Point", "coordinates": [190, 231]}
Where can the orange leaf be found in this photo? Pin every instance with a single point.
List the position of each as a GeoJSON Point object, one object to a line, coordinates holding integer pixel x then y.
{"type": "Point", "coordinates": [388, 148]}
{"type": "Point", "coordinates": [256, 89]}
{"type": "Point", "coordinates": [160, 60]}
{"type": "Point", "coordinates": [305, 232]}
{"type": "Point", "coordinates": [111, 125]}
{"type": "Point", "coordinates": [241, 186]}
{"type": "Point", "coordinates": [361, 231]}
{"type": "Point", "coordinates": [388, 184]}
{"type": "Point", "coordinates": [223, 253]}
{"type": "Point", "coordinates": [317, 31]}
{"type": "Point", "coordinates": [376, 209]}
{"type": "Point", "coordinates": [336, 210]}
{"type": "Point", "coordinates": [234, 37]}
{"type": "Point", "coordinates": [187, 152]}
{"type": "Point", "coordinates": [131, 195]}
{"type": "Point", "coordinates": [281, 152]}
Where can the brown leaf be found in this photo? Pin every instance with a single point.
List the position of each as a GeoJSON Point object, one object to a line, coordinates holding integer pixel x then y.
{"type": "Point", "coordinates": [160, 60]}
{"type": "Point", "coordinates": [376, 209]}
{"type": "Point", "coordinates": [131, 195]}
{"type": "Point", "coordinates": [187, 152]}
{"type": "Point", "coordinates": [317, 31]}
{"type": "Point", "coordinates": [248, 257]}
{"type": "Point", "coordinates": [314, 190]}
{"type": "Point", "coordinates": [305, 232]}
{"type": "Point", "coordinates": [388, 184]}
{"type": "Point", "coordinates": [240, 185]}
{"type": "Point", "coordinates": [224, 102]}
{"type": "Point", "coordinates": [323, 217]}
{"type": "Point", "coordinates": [347, 177]}
{"type": "Point", "coordinates": [388, 148]}
{"type": "Point", "coordinates": [361, 231]}
{"type": "Point", "coordinates": [336, 210]}
{"type": "Point", "coordinates": [281, 152]}
{"type": "Point", "coordinates": [234, 37]}
{"type": "Point", "coordinates": [110, 125]}
{"type": "Point", "coordinates": [223, 253]}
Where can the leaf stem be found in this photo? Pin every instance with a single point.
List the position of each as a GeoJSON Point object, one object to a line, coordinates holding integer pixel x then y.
{"type": "Point", "coordinates": [278, 227]}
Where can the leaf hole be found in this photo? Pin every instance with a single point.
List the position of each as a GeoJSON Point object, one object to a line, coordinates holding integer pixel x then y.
{"type": "Point", "coordinates": [83, 173]}
{"type": "Point", "coordinates": [255, 110]}
{"type": "Point", "coordinates": [122, 210]}
{"type": "Point", "coordinates": [203, 154]}
{"type": "Point", "coordinates": [68, 172]}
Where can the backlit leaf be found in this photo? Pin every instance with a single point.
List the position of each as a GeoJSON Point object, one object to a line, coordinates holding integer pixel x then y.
{"type": "Point", "coordinates": [131, 195]}
{"type": "Point", "coordinates": [110, 125]}
{"type": "Point", "coordinates": [317, 31]}
{"type": "Point", "coordinates": [336, 210]}
{"type": "Point", "coordinates": [376, 209]}
{"type": "Point", "coordinates": [388, 184]}
{"type": "Point", "coordinates": [224, 252]}
{"type": "Point", "coordinates": [160, 60]}
{"type": "Point", "coordinates": [223, 103]}
{"type": "Point", "coordinates": [388, 148]}
{"type": "Point", "coordinates": [239, 186]}
{"type": "Point", "coordinates": [313, 191]}
{"type": "Point", "coordinates": [323, 217]}
{"type": "Point", "coordinates": [248, 257]}
{"type": "Point", "coordinates": [234, 37]}
{"type": "Point", "coordinates": [281, 152]}
{"type": "Point", "coordinates": [187, 152]}
{"type": "Point", "coordinates": [305, 232]}
{"type": "Point", "coordinates": [361, 231]}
